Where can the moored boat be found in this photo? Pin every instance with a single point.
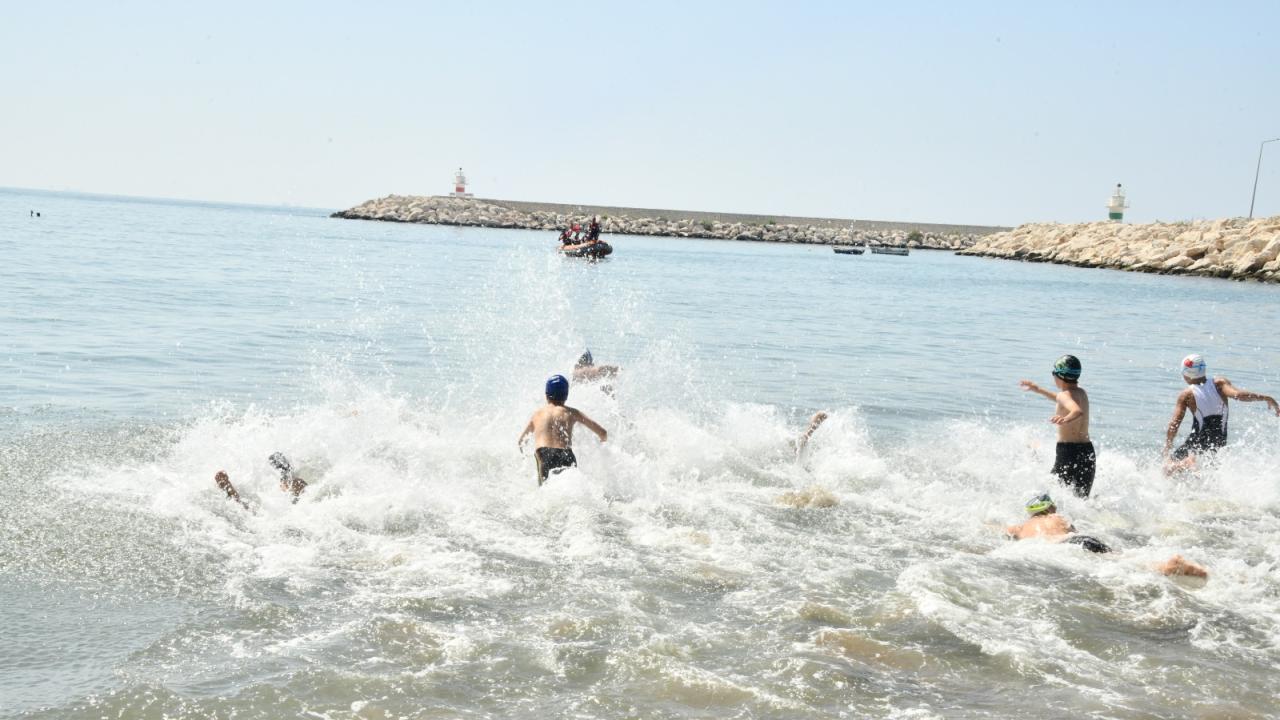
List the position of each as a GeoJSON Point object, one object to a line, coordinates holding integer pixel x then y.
{"type": "Point", "coordinates": [887, 250]}
{"type": "Point", "coordinates": [848, 249]}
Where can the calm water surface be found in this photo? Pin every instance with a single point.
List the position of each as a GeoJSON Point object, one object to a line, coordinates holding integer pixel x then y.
{"type": "Point", "coordinates": [146, 345]}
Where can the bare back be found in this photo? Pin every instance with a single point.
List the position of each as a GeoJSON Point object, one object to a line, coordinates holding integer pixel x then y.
{"type": "Point", "coordinates": [1050, 527]}
{"type": "Point", "coordinates": [553, 426]}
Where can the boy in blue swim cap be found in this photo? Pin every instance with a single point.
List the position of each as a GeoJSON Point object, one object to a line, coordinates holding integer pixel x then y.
{"type": "Point", "coordinates": [1076, 461]}
{"type": "Point", "coordinates": [552, 428]}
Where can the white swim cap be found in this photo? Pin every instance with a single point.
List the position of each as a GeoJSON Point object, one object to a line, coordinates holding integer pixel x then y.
{"type": "Point", "coordinates": [1193, 367]}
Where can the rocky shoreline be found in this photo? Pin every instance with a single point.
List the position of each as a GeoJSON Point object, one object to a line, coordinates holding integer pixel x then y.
{"type": "Point", "coordinates": [475, 212]}
{"type": "Point", "coordinates": [1233, 248]}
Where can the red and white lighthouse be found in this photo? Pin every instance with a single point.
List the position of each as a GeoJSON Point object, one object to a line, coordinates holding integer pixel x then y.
{"type": "Point", "coordinates": [460, 185]}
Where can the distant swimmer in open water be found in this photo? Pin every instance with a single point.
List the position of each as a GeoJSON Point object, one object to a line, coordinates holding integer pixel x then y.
{"type": "Point", "coordinates": [1206, 399]}
{"type": "Point", "coordinates": [1076, 462]}
{"type": "Point", "coordinates": [586, 370]}
{"type": "Point", "coordinates": [552, 428]}
{"type": "Point", "coordinates": [1046, 523]}
{"type": "Point", "coordinates": [289, 481]}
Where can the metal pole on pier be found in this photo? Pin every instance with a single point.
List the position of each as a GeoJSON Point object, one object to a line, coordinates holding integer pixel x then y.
{"type": "Point", "coordinates": [1255, 175]}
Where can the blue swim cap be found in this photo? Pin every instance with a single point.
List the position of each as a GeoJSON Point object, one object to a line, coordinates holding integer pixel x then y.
{"type": "Point", "coordinates": [557, 388]}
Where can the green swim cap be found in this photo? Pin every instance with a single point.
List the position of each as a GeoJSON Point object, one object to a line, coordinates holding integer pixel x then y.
{"type": "Point", "coordinates": [1039, 504]}
{"type": "Point", "coordinates": [1067, 367]}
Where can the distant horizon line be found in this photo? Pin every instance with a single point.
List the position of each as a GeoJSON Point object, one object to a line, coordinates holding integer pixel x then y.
{"type": "Point", "coordinates": [155, 199]}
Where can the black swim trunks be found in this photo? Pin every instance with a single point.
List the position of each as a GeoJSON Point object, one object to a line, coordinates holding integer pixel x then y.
{"type": "Point", "coordinates": [1205, 437]}
{"type": "Point", "coordinates": [553, 459]}
{"type": "Point", "coordinates": [1075, 466]}
{"type": "Point", "coordinates": [1088, 542]}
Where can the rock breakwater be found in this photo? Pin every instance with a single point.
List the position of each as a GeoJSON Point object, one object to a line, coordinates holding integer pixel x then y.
{"type": "Point", "coordinates": [1228, 248]}
{"type": "Point", "coordinates": [478, 212]}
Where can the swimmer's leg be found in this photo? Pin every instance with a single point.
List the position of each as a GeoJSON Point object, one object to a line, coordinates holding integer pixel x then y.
{"type": "Point", "coordinates": [1178, 565]}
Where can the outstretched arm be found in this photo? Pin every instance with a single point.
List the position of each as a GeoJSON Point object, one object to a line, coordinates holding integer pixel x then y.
{"type": "Point", "coordinates": [1032, 387]}
{"type": "Point", "coordinates": [224, 483]}
{"type": "Point", "coordinates": [1179, 411]}
{"type": "Point", "coordinates": [814, 423]}
{"type": "Point", "coordinates": [592, 425]}
{"type": "Point", "coordinates": [1235, 393]}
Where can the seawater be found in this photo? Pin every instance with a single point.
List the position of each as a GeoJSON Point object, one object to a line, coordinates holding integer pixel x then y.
{"type": "Point", "coordinates": [146, 345]}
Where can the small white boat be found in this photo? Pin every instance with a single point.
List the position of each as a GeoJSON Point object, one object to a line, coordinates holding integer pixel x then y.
{"type": "Point", "coordinates": [887, 250]}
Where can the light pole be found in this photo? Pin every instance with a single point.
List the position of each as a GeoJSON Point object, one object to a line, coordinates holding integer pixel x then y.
{"type": "Point", "coordinates": [1255, 175]}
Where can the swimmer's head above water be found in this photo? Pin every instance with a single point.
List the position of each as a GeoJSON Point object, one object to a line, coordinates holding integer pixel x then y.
{"type": "Point", "coordinates": [281, 463]}
{"type": "Point", "coordinates": [1041, 504]}
{"type": "Point", "coordinates": [1193, 368]}
{"type": "Point", "coordinates": [557, 389]}
{"type": "Point", "coordinates": [1067, 368]}
{"type": "Point", "coordinates": [585, 360]}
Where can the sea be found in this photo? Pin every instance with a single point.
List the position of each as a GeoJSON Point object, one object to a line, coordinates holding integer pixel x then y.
{"type": "Point", "coordinates": [695, 565]}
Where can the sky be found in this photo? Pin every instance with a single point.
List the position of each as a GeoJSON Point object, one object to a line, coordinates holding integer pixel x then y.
{"type": "Point", "coordinates": [992, 113]}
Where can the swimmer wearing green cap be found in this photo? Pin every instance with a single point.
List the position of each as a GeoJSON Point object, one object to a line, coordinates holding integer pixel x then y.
{"type": "Point", "coordinates": [1076, 460]}
{"type": "Point", "coordinates": [1045, 523]}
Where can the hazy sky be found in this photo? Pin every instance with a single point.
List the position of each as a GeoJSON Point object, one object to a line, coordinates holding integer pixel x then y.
{"type": "Point", "coordinates": [983, 112]}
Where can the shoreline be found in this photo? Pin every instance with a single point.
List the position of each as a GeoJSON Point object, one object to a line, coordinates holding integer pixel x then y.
{"type": "Point", "coordinates": [513, 214]}
{"type": "Point", "coordinates": [1228, 248]}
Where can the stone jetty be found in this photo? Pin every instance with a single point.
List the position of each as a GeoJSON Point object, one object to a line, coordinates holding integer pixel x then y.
{"type": "Point", "coordinates": [1228, 248]}
{"type": "Point", "coordinates": [478, 212]}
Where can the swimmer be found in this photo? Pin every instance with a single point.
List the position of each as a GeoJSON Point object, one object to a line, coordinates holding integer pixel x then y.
{"type": "Point", "coordinates": [1076, 462]}
{"type": "Point", "coordinates": [586, 370]}
{"type": "Point", "coordinates": [1046, 523]}
{"type": "Point", "coordinates": [552, 428]}
{"type": "Point", "coordinates": [1206, 398]}
{"type": "Point", "coordinates": [289, 481]}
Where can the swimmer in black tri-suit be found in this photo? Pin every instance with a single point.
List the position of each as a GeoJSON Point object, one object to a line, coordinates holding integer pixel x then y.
{"type": "Point", "coordinates": [1206, 400]}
